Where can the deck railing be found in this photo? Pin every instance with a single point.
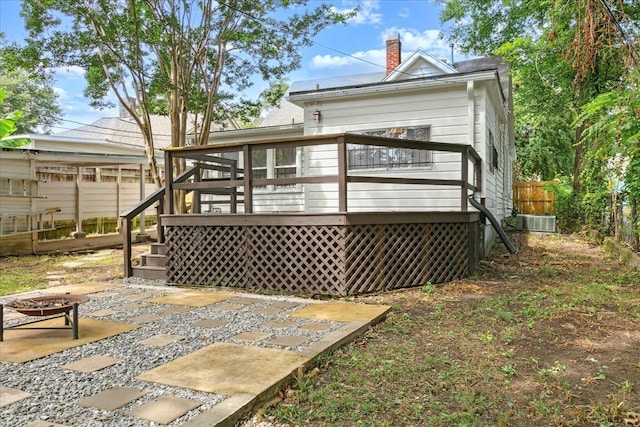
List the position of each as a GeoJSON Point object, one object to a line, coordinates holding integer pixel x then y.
{"type": "Point", "coordinates": [238, 183]}
{"type": "Point", "coordinates": [243, 178]}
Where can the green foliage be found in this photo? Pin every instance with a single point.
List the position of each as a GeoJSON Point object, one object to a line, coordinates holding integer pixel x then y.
{"type": "Point", "coordinates": [614, 137]}
{"type": "Point", "coordinates": [575, 79]}
{"type": "Point", "coordinates": [567, 205]}
{"type": "Point", "coordinates": [595, 208]}
{"type": "Point", "coordinates": [29, 92]}
{"type": "Point", "coordinates": [188, 59]}
{"type": "Point", "coordinates": [543, 141]}
{"type": "Point", "coordinates": [8, 126]}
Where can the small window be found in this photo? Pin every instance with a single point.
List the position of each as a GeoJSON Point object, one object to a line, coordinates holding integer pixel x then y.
{"type": "Point", "coordinates": [372, 157]}
{"type": "Point", "coordinates": [492, 153]}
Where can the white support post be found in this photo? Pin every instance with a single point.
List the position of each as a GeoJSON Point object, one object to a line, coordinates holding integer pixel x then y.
{"type": "Point", "coordinates": [78, 234]}
{"type": "Point", "coordinates": [142, 236]}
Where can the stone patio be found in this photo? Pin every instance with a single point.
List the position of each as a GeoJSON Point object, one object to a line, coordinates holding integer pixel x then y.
{"type": "Point", "coordinates": [210, 369]}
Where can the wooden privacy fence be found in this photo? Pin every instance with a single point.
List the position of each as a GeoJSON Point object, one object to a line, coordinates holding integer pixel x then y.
{"type": "Point", "coordinates": [532, 199]}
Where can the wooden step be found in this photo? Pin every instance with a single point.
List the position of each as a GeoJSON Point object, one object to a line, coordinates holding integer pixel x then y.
{"type": "Point", "coordinates": [153, 260]}
{"type": "Point", "coordinates": [150, 272]}
{"type": "Point", "coordinates": [158, 249]}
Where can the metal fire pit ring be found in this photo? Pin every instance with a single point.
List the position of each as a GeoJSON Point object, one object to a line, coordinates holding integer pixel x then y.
{"type": "Point", "coordinates": [52, 306]}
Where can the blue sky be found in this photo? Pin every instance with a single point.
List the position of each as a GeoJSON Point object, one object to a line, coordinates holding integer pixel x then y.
{"type": "Point", "coordinates": [339, 50]}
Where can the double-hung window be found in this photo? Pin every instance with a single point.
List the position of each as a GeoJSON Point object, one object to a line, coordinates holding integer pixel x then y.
{"type": "Point", "coordinates": [378, 157]}
{"type": "Point", "coordinates": [275, 163]}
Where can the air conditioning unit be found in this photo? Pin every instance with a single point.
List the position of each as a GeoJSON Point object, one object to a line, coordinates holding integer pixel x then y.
{"type": "Point", "coordinates": [541, 223]}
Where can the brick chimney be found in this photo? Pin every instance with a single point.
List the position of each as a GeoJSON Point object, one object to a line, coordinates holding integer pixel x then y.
{"type": "Point", "coordinates": [393, 52]}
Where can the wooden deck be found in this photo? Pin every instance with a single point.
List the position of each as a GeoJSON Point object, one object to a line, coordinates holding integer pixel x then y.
{"type": "Point", "coordinates": [341, 253]}
{"type": "Point", "coordinates": [334, 254]}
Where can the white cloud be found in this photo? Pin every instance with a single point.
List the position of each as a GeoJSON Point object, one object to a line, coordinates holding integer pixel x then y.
{"type": "Point", "coordinates": [71, 73]}
{"type": "Point", "coordinates": [375, 59]}
{"type": "Point", "coordinates": [358, 62]}
{"type": "Point", "coordinates": [62, 94]}
{"type": "Point", "coordinates": [366, 14]}
{"type": "Point", "coordinates": [404, 12]}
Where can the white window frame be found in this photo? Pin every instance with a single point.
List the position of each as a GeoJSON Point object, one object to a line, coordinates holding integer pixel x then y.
{"type": "Point", "coordinates": [390, 132]}
{"type": "Point", "coordinates": [271, 168]}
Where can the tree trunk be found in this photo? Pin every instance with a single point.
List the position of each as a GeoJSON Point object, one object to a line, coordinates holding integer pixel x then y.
{"type": "Point", "coordinates": [635, 225]}
{"type": "Point", "coordinates": [577, 161]}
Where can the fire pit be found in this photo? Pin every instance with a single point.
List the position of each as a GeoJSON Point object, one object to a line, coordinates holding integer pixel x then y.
{"type": "Point", "coordinates": [49, 305]}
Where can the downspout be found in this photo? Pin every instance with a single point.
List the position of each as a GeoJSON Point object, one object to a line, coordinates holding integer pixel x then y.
{"type": "Point", "coordinates": [496, 225]}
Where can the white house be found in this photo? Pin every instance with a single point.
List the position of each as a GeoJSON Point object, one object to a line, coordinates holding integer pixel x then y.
{"type": "Point", "coordinates": [420, 98]}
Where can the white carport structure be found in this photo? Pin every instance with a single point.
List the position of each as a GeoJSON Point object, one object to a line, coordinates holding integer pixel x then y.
{"type": "Point", "coordinates": [25, 197]}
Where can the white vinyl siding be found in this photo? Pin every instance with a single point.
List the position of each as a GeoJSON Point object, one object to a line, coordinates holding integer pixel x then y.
{"type": "Point", "coordinates": [444, 111]}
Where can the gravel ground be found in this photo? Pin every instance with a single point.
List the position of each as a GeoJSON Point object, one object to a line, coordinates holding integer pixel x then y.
{"type": "Point", "coordinates": [56, 391]}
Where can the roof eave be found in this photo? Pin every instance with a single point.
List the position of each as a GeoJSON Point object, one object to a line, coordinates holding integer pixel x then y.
{"type": "Point", "coordinates": [299, 98]}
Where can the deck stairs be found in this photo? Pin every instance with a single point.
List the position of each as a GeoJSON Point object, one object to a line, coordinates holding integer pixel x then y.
{"type": "Point", "coordinates": [153, 265]}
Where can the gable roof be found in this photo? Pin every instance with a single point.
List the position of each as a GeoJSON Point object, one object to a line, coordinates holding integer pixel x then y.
{"type": "Point", "coordinates": [123, 130]}
{"type": "Point", "coordinates": [285, 113]}
{"type": "Point", "coordinates": [339, 81]}
{"type": "Point", "coordinates": [420, 64]}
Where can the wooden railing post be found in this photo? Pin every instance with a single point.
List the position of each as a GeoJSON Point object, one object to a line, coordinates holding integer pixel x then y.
{"type": "Point", "coordinates": [464, 188]}
{"type": "Point", "coordinates": [126, 247]}
{"type": "Point", "coordinates": [168, 182]}
{"type": "Point", "coordinates": [159, 227]}
{"type": "Point", "coordinates": [342, 175]}
{"type": "Point", "coordinates": [248, 175]}
{"type": "Point", "coordinates": [233, 175]}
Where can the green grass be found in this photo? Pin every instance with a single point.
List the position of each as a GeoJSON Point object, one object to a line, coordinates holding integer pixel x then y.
{"type": "Point", "coordinates": [25, 273]}
{"type": "Point", "coordinates": [517, 353]}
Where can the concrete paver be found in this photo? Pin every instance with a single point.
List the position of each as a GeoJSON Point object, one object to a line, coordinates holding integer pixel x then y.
{"type": "Point", "coordinates": [288, 340]}
{"type": "Point", "coordinates": [91, 364]}
{"type": "Point", "coordinates": [192, 298]}
{"type": "Point", "coordinates": [244, 376]}
{"type": "Point", "coordinates": [342, 312]}
{"type": "Point", "coordinates": [268, 310]}
{"type": "Point", "coordinates": [176, 309]}
{"type": "Point", "coordinates": [22, 345]}
{"type": "Point", "coordinates": [225, 368]}
{"type": "Point", "coordinates": [42, 423]}
{"type": "Point", "coordinates": [246, 300]}
{"type": "Point", "coordinates": [105, 294]}
{"type": "Point", "coordinates": [284, 304]}
{"type": "Point", "coordinates": [112, 398]}
{"type": "Point", "coordinates": [82, 288]}
{"type": "Point", "coordinates": [209, 323]}
{"type": "Point", "coordinates": [161, 340]}
{"type": "Point", "coordinates": [10, 395]}
{"type": "Point", "coordinates": [164, 409]}
{"type": "Point", "coordinates": [278, 324]}
{"type": "Point", "coordinates": [315, 326]}
{"type": "Point", "coordinates": [230, 307]}
{"type": "Point", "coordinates": [252, 336]}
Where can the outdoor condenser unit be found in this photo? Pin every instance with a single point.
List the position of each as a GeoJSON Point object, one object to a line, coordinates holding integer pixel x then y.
{"type": "Point", "coordinates": [542, 223]}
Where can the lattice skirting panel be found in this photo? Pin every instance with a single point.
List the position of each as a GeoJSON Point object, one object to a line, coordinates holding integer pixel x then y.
{"type": "Point", "coordinates": [327, 260]}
